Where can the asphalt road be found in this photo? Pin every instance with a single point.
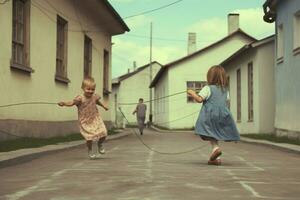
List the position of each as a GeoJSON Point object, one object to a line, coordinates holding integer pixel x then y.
{"type": "Point", "coordinates": [130, 171]}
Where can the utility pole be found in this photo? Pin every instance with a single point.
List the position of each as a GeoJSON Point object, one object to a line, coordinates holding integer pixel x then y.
{"type": "Point", "coordinates": [150, 76]}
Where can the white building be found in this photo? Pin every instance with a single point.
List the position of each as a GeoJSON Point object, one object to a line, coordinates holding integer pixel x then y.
{"type": "Point", "coordinates": [189, 72]}
{"type": "Point", "coordinates": [128, 88]}
{"type": "Point", "coordinates": [251, 84]}
{"type": "Point", "coordinates": [47, 47]}
{"type": "Point", "coordinates": [286, 15]}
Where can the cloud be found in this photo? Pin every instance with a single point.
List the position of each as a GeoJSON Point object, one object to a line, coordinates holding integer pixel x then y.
{"type": "Point", "coordinates": [251, 21]}
{"type": "Point", "coordinates": [125, 50]}
{"type": "Point", "coordinates": [129, 49]}
{"type": "Point", "coordinates": [213, 29]}
{"type": "Point", "coordinates": [138, 21]}
{"type": "Point", "coordinates": [208, 31]}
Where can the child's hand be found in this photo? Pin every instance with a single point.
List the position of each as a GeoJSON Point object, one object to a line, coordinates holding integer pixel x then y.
{"type": "Point", "coordinates": [61, 103]}
{"type": "Point", "coordinates": [190, 92]}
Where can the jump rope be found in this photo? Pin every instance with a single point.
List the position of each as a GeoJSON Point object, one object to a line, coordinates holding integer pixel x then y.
{"type": "Point", "coordinates": [133, 131]}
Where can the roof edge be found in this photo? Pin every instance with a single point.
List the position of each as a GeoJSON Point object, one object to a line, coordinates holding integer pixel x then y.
{"type": "Point", "coordinates": [116, 15]}
{"type": "Point", "coordinates": [239, 31]}
{"type": "Point", "coordinates": [166, 66]}
{"type": "Point", "coordinates": [125, 76]}
{"type": "Point", "coordinates": [247, 47]}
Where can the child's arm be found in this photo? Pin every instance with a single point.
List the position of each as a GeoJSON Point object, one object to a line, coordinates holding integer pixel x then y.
{"type": "Point", "coordinates": [101, 104]}
{"type": "Point", "coordinates": [193, 94]}
{"type": "Point", "coordinates": [76, 101]}
{"type": "Point", "coordinates": [66, 103]}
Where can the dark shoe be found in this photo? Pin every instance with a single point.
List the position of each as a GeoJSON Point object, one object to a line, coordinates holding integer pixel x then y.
{"type": "Point", "coordinates": [214, 162]}
{"type": "Point", "coordinates": [215, 154]}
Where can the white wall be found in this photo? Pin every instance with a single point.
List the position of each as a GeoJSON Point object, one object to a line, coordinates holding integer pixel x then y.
{"type": "Point", "coordinates": [133, 88]}
{"type": "Point", "coordinates": [161, 106]}
{"type": "Point", "coordinates": [241, 63]}
{"type": "Point", "coordinates": [265, 63]}
{"type": "Point", "coordinates": [19, 86]}
{"type": "Point", "coordinates": [263, 89]}
{"type": "Point", "coordinates": [195, 69]}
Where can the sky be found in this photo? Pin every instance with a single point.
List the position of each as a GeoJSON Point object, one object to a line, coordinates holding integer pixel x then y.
{"type": "Point", "coordinates": [171, 25]}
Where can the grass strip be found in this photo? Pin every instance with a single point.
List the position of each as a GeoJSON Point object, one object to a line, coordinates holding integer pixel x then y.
{"type": "Point", "coordinates": [22, 143]}
{"type": "Point", "coordinates": [273, 138]}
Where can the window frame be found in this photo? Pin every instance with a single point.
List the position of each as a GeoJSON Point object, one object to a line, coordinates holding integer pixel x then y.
{"type": "Point", "coordinates": [21, 36]}
{"type": "Point", "coordinates": [296, 32]}
{"type": "Point", "coordinates": [195, 88]}
{"type": "Point", "coordinates": [106, 58]}
{"type": "Point", "coordinates": [87, 56]}
{"type": "Point", "coordinates": [61, 50]}
{"type": "Point", "coordinates": [250, 92]}
{"type": "Point", "coordinates": [280, 43]}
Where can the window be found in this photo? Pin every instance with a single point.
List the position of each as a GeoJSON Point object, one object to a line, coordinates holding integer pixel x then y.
{"type": "Point", "coordinates": [106, 72]}
{"type": "Point", "coordinates": [196, 86]}
{"type": "Point", "coordinates": [280, 43]}
{"type": "Point", "coordinates": [61, 49]}
{"type": "Point", "coordinates": [238, 94]}
{"type": "Point", "coordinates": [250, 91]}
{"type": "Point", "coordinates": [20, 35]}
{"type": "Point", "coordinates": [296, 49]}
{"type": "Point", "coordinates": [87, 71]}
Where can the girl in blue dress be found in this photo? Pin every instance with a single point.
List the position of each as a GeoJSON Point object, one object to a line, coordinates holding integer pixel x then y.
{"type": "Point", "coordinates": [215, 122]}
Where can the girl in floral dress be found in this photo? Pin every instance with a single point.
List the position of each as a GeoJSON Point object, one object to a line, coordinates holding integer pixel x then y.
{"type": "Point", "coordinates": [91, 125]}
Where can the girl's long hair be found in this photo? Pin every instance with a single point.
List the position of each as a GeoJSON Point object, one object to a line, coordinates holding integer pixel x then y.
{"type": "Point", "coordinates": [216, 75]}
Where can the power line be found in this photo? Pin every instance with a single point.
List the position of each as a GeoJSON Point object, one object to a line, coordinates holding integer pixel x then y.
{"type": "Point", "coordinates": [155, 99]}
{"type": "Point", "coordinates": [149, 11]}
{"type": "Point", "coordinates": [164, 39]}
{"type": "Point", "coordinates": [186, 116]}
{"type": "Point", "coordinates": [45, 10]}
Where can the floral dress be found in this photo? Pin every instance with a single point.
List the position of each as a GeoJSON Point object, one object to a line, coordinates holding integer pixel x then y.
{"type": "Point", "coordinates": [90, 123]}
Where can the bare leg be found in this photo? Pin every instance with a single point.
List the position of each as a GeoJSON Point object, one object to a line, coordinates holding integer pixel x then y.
{"type": "Point", "coordinates": [100, 145]}
{"type": "Point", "coordinates": [141, 124]}
{"type": "Point", "coordinates": [89, 144]}
{"type": "Point", "coordinates": [216, 151]}
{"type": "Point", "coordinates": [214, 144]}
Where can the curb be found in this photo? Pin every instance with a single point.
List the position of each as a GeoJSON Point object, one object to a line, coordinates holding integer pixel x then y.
{"type": "Point", "coordinates": [24, 155]}
{"type": "Point", "coordinates": [279, 146]}
{"type": "Point", "coordinates": [292, 148]}
{"type": "Point", "coordinates": [168, 131]}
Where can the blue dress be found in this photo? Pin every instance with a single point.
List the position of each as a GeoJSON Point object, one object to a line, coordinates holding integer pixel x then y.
{"type": "Point", "coordinates": [215, 120]}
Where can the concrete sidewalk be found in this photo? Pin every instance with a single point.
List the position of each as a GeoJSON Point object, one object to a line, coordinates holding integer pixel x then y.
{"type": "Point", "coordinates": [25, 155]}
{"type": "Point", "coordinates": [281, 146]}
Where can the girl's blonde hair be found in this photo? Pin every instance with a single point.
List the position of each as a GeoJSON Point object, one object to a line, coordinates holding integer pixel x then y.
{"type": "Point", "coordinates": [88, 81]}
{"type": "Point", "coordinates": [216, 75]}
